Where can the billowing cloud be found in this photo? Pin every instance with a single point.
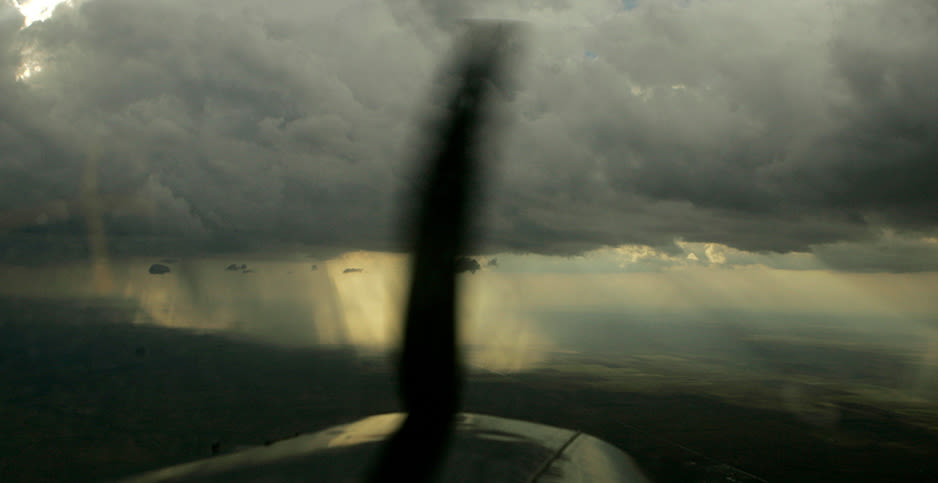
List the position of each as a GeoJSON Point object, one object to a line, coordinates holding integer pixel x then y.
{"type": "Point", "coordinates": [761, 127]}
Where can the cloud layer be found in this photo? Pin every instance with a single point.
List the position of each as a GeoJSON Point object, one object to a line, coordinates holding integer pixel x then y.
{"type": "Point", "coordinates": [766, 126]}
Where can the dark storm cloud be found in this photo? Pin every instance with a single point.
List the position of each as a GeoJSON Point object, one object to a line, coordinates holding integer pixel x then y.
{"type": "Point", "coordinates": [884, 159]}
{"type": "Point", "coordinates": [752, 127]}
{"type": "Point", "coordinates": [768, 126]}
{"type": "Point", "coordinates": [889, 254]}
{"type": "Point", "coordinates": [239, 121]}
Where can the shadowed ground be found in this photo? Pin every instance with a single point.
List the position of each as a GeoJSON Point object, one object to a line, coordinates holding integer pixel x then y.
{"type": "Point", "coordinates": [86, 395]}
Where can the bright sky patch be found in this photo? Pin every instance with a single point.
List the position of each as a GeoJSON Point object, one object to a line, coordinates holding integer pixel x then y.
{"type": "Point", "coordinates": [37, 10]}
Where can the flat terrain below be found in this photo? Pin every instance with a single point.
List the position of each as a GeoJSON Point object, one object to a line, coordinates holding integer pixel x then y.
{"type": "Point", "coordinates": [86, 395]}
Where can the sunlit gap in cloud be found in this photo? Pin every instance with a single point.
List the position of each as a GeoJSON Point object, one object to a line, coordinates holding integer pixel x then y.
{"type": "Point", "coordinates": [37, 10]}
{"type": "Point", "coordinates": [31, 65]}
{"type": "Point", "coordinates": [34, 11]}
{"type": "Point", "coordinates": [27, 70]}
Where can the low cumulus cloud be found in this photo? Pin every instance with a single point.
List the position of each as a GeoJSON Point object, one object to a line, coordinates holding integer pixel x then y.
{"type": "Point", "coordinates": [762, 127]}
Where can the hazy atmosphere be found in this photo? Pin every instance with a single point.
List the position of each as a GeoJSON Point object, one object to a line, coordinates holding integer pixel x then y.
{"type": "Point", "coordinates": [712, 198]}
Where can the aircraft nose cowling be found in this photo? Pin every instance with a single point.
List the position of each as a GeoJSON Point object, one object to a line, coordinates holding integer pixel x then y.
{"type": "Point", "coordinates": [482, 448]}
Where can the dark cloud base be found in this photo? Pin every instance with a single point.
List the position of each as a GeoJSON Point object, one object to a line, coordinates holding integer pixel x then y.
{"type": "Point", "coordinates": [242, 128]}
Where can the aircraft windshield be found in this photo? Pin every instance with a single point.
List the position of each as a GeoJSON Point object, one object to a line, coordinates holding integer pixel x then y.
{"type": "Point", "coordinates": [707, 231]}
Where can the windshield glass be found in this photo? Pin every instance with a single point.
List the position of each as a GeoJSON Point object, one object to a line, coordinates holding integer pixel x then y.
{"type": "Point", "coordinates": [707, 233]}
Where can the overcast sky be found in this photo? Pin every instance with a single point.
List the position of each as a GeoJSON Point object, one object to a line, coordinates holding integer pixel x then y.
{"type": "Point", "coordinates": [663, 132]}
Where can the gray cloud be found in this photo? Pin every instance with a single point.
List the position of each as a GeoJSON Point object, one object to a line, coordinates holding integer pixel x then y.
{"type": "Point", "coordinates": [768, 126]}
{"type": "Point", "coordinates": [735, 124]}
{"type": "Point", "coordinates": [888, 254]}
